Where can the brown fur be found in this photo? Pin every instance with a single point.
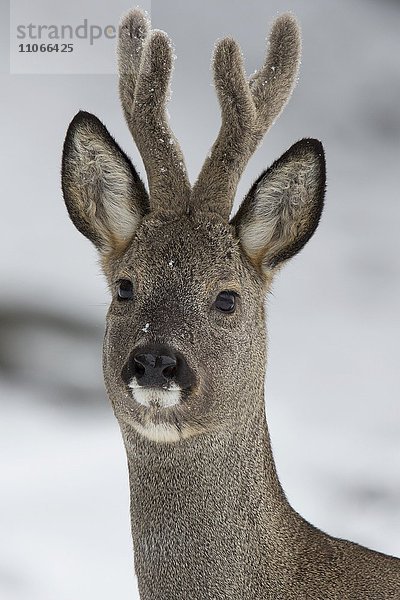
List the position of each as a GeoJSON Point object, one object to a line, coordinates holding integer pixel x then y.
{"type": "Point", "coordinates": [209, 517]}
{"type": "Point", "coordinates": [145, 64]}
{"type": "Point", "coordinates": [248, 110]}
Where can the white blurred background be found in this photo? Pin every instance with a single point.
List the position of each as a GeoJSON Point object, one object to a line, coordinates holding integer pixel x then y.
{"type": "Point", "coordinates": [333, 379]}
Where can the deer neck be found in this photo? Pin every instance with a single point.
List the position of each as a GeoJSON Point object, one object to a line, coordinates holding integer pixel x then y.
{"type": "Point", "coordinates": [208, 514]}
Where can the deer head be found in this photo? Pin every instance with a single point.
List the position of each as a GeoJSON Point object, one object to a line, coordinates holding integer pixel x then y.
{"type": "Point", "coordinates": [184, 348]}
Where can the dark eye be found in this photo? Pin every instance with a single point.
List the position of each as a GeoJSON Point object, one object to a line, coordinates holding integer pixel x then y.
{"type": "Point", "coordinates": [226, 301]}
{"type": "Point", "coordinates": [125, 289]}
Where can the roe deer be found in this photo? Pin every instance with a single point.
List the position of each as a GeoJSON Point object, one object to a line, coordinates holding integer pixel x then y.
{"type": "Point", "coordinates": [185, 341]}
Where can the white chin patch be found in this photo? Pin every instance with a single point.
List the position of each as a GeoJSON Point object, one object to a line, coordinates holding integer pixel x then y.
{"type": "Point", "coordinates": [160, 432]}
{"type": "Point", "coordinates": [154, 396]}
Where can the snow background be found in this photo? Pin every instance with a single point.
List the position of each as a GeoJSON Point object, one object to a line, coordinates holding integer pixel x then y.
{"type": "Point", "coordinates": [333, 379]}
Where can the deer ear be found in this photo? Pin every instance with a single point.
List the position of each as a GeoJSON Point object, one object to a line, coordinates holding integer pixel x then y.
{"type": "Point", "coordinates": [283, 208]}
{"type": "Point", "coordinates": [103, 193]}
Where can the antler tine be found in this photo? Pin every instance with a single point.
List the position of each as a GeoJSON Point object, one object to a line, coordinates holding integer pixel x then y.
{"type": "Point", "coordinates": [272, 85]}
{"type": "Point", "coordinates": [133, 31]}
{"type": "Point", "coordinates": [145, 60]}
{"type": "Point", "coordinates": [248, 110]}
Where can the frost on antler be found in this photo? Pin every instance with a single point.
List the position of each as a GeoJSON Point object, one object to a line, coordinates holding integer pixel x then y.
{"type": "Point", "coordinates": [248, 109]}
{"type": "Point", "coordinates": [145, 60]}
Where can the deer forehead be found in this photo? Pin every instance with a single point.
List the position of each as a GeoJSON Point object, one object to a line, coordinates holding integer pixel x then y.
{"type": "Point", "coordinates": [183, 248]}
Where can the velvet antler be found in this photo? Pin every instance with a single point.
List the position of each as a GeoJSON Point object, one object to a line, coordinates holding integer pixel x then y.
{"type": "Point", "coordinates": [145, 61]}
{"type": "Point", "coordinates": [248, 109]}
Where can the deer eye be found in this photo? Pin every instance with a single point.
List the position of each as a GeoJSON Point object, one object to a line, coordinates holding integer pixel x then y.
{"type": "Point", "coordinates": [125, 289]}
{"type": "Point", "coordinates": [226, 301]}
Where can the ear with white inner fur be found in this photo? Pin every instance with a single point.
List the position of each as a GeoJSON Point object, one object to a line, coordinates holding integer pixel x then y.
{"type": "Point", "coordinates": [104, 195]}
{"type": "Point", "coordinates": [283, 208]}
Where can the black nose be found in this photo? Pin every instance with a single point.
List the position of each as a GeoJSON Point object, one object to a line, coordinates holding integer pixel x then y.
{"type": "Point", "coordinates": [157, 365]}
{"type": "Point", "coordinates": [154, 369]}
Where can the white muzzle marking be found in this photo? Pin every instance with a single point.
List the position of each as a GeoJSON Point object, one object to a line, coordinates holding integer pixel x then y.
{"type": "Point", "coordinates": [155, 396]}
